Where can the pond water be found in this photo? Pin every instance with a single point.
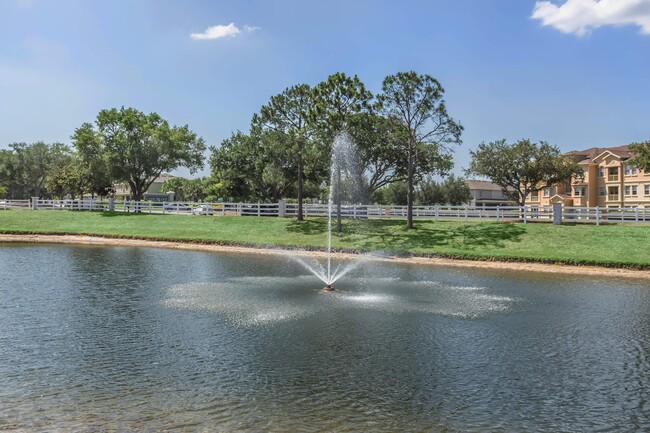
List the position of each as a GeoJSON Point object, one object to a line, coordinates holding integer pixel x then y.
{"type": "Point", "coordinates": [128, 339]}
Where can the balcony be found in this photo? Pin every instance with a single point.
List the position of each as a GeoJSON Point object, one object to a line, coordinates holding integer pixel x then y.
{"type": "Point", "coordinates": [612, 197]}
{"type": "Point", "coordinates": [612, 178]}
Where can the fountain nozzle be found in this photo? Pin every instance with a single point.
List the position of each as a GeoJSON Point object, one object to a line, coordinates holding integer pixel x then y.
{"type": "Point", "coordinates": [328, 288]}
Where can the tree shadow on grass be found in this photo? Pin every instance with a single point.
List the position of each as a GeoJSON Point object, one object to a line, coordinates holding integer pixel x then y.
{"type": "Point", "coordinates": [393, 235]}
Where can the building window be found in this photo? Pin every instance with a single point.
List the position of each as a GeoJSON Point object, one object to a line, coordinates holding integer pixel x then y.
{"type": "Point", "coordinates": [631, 190]}
{"type": "Point", "coordinates": [579, 191]}
{"type": "Point", "coordinates": [547, 192]}
{"type": "Point", "coordinates": [534, 196]}
{"type": "Point", "coordinates": [612, 193]}
{"type": "Point", "coordinates": [601, 171]}
{"type": "Point", "coordinates": [602, 192]}
{"type": "Point", "coordinates": [612, 174]}
{"type": "Point", "coordinates": [646, 189]}
{"type": "Point", "coordinates": [630, 170]}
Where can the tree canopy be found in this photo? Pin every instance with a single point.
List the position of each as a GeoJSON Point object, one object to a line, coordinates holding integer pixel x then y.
{"type": "Point", "coordinates": [641, 152]}
{"type": "Point", "coordinates": [138, 147]}
{"type": "Point", "coordinates": [522, 167]}
{"type": "Point", "coordinates": [417, 101]}
{"type": "Point", "coordinates": [452, 190]}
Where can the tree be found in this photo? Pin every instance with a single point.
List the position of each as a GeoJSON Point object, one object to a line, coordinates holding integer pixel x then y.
{"type": "Point", "coordinates": [522, 167]}
{"type": "Point", "coordinates": [256, 166]}
{"type": "Point", "coordinates": [430, 193]}
{"type": "Point", "coordinates": [417, 101]}
{"type": "Point", "coordinates": [290, 114]}
{"type": "Point", "coordinates": [379, 141]}
{"type": "Point", "coordinates": [392, 194]}
{"type": "Point", "coordinates": [175, 185]}
{"type": "Point", "coordinates": [25, 167]}
{"type": "Point", "coordinates": [456, 190]}
{"type": "Point", "coordinates": [336, 100]}
{"type": "Point", "coordinates": [138, 147]}
{"type": "Point", "coordinates": [452, 190]}
{"type": "Point", "coordinates": [641, 152]}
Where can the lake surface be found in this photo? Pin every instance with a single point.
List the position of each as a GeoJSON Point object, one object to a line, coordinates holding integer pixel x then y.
{"type": "Point", "coordinates": [127, 339]}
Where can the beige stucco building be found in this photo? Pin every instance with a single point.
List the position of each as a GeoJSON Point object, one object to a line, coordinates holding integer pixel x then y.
{"type": "Point", "coordinates": [609, 180]}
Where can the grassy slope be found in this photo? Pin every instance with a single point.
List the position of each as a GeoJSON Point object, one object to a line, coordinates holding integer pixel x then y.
{"type": "Point", "coordinates": [605, 245]}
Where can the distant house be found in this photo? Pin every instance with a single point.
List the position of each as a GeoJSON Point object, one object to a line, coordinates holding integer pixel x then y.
{"type": "Point", "coordinates": [154, 192]}
{"type": "Point", "coordinates": [485, 193]}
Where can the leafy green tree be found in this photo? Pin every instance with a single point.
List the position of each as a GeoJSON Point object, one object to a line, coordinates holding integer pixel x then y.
{"type": "Point", "coordinates": [392, 194]}
{"type": "Point", "coordinates": [336, 100]}
{"type": "Point", "coordinates": [290, 114]}
{"type": "Point", "coordinates": [138, 147]}
{"type": "Point", "coordinates": [6, 172]}
{"type": "Point", "coordinates": [25, 167]}
{"type": "Point", "coordinates": [452, 190]}
{"type": "Point", "coordinates": [417, 101]}
{"type": "Point", "coordinates": [175, 185]}
{"type": "Point", "coordinates": [68, 176]}
{"type": "Point", "coordinates": [456, 190]}
{"type": "Point", "coordinates": [258, 166]}
{"type": "Point", "coordinates": [522, 167]}
{"type": "Point", "coordinates": [379, 141]}
{"type": "Point", "coordinates": [430, 193]}
{"type": "Point", "coordinates": [641, 152]}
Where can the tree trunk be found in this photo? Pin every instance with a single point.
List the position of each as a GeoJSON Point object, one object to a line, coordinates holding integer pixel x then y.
{"type": "Point", "coordinates": [300, 181]}
{"type": "Point", "coordinates": [409, 194]}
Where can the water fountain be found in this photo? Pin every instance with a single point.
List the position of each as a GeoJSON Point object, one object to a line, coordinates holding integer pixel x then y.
{"type": "Point", "coordinates": [346, 179]}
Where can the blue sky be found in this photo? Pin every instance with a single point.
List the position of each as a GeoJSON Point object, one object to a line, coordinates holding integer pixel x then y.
{"type": "Point", "coordinates": [574, 73]}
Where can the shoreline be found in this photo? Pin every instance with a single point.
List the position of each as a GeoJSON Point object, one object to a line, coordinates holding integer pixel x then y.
{"type": "Point", "coordinates": [430, 261]}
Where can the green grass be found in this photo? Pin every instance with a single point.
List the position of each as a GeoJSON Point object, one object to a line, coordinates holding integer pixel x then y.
{"type": "Point", "coordinates": [609, 245]}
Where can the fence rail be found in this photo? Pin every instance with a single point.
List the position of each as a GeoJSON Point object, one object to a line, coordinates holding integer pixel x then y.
{"type": "Point", "coordinates": [524, 214]}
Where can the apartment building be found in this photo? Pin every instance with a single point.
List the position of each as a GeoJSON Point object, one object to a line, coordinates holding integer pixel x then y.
{"type": "Point", "coordinates": [609, 180]}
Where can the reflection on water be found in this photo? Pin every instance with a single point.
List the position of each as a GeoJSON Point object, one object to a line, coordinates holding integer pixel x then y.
{"type": "Point", "coordinates": [148, 340]}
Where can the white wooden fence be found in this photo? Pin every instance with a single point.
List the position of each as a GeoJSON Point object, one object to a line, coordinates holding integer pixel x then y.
{"type": "Point", "coordinates": [526, 214]}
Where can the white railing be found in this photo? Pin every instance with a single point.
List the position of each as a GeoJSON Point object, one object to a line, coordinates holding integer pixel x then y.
{"type": "Point", "coordinates": [601, 215]}
{"type": "Point", "coordinates": [526, 214]}
{"type": "Point", "coordinates": [14, 204]}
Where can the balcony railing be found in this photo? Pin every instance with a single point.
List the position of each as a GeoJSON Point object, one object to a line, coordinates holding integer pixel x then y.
{"type": "Point", "coordinates": [612, 178]}
{"type": "Point", "coordinates": [612, 197]}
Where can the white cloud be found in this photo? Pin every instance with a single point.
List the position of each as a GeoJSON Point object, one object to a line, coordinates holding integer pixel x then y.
{"type": "Point", "coordinates": [581, 16]}
{"type": "Point", "coordinates": [216, 32]}
{"type": "Point", "coordinates": [250, 29]}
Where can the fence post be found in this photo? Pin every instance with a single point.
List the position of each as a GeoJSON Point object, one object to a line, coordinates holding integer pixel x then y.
{"type": "Point", "coordinates": [111, 204]}
{"type": "Point", "coordinates": [465, 212]}
{"type": "Point", "coordinates": [498, 208]}
{"type": "Point", "coordinates": [524, 214]}
{"type": "Point", "coordinates": [557, 213]}
{"type": "Point", "coordinates": [282, 208]}
{"type": "Point", "coordinates": [597, 216]}
{"type": "Point", "coordinates": [34, 203]}
{"type": "Point", "coordinates": [437, 211]}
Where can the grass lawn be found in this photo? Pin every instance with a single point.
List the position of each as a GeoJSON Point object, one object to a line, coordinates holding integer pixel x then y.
{"type": "Point", "coordinates": [608, 245]}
